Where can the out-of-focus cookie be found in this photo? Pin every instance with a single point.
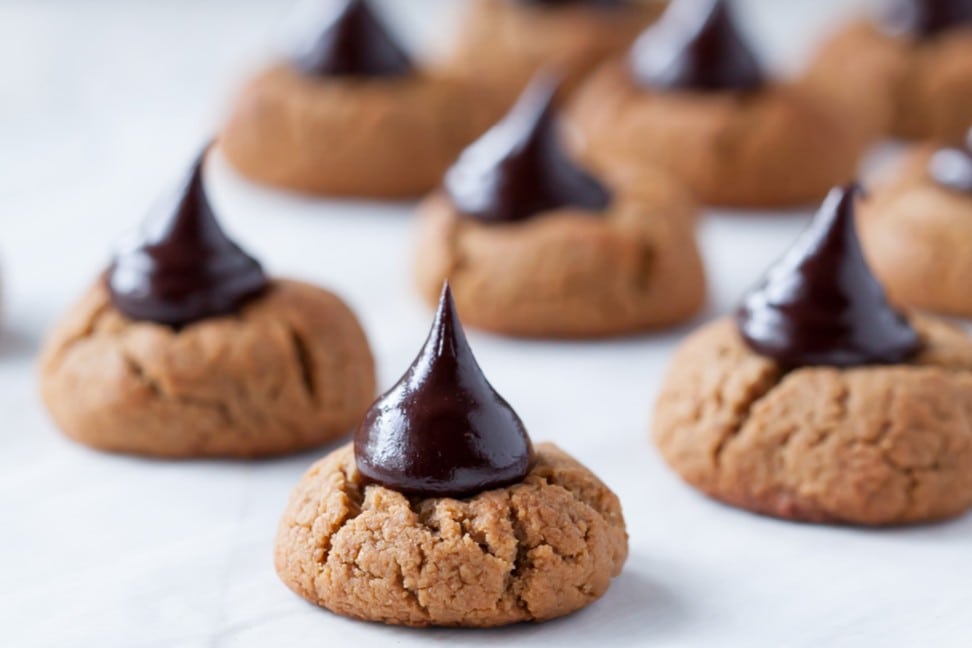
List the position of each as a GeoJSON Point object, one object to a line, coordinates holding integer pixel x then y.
{"type": "Point", "coordinates": [692, 99]}
{"type": "Point", "coordinates": [917, 228]}
{"type": "Point", "coordinates": [503, 43]}
{"type": "Point", "coordinates": [185, 348]}
{"type": "Point", "coordinates": [907, 73]}
{"type": "Point", "coordinates": [535, 245]}
{"type": "Point", "coordinates": [820, 402]}
{"type": "Point", "coordinates": [444, 514]}
{"type": "Point", "coordinates": [354, 116]}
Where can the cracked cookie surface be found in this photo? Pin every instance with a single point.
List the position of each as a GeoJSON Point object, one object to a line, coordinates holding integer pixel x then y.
{"type": "Point", "coordinates": [877, 445]}
{"type": "Point", "coordinates": [536, 550]}
{"type": "Point", "coordinates": [291, 370]}
{"type": "Point", "coordinates": [569, 273]}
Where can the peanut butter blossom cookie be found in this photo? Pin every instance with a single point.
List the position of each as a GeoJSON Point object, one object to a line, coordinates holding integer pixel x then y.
{"type": "Point", "coordinates": [917, 229]}
{"type": "Point", "coordinates": [534, 244]}
{"type": "Point", "coordinates": [692, 98]}
{"type": "Point", "coordinates": [443, 512]}
{"type": "Point", "coordinates": [819, 401]}
{"type": "Point", "coordinates": [907, 72]}
{"type": "Point", "coordinates": [353, 115]}
{"type": "Point", "coordinates": [185, 348]}
{"type": "Point", "coordinates": [503, 43]}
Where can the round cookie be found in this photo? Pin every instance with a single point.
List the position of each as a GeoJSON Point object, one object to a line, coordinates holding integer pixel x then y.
{"type": "Point", "coordinates": [916, 232]}
{"type": "Point", "coordinates": [877, 445]}
{"type": "Point", "coordinates": [503, 43]}
{"type": "Point", "coordinates": [536, 550]}
{"type": "Point", "coordinates": [625, 261]}
{"type": "Point", "coordinates": [731, 136]}
{"type": "Point", "coordinates": [443, 513]}
{"type": "Point", "coordinates": [357, 126]}
{"type": "Point", "coordinates": [184, 348]}
{"type": "Point", "coordinates": [820, 402]}
{"type": "Point", "coordinates": [292, 370]}
{"type": "Point", "coordinates": [912, 87]}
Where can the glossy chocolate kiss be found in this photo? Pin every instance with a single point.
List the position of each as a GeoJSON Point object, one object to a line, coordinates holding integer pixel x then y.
{"type": "Point", "coordinates": [183, 268]}
{"type": "Point", "coordinates": [952, 167]}
{"type": "Point", "coordinates": [354, 43]}
{"type": "Point", "coordinates": [442, 431]}
{"type": "Point", "coordinates": [820, 305]}
{"type": "Point", "coordinates": [520, 168]}
{"type": "Point", "coordinates": [696, 46]}
{"type": "Point", "coordinates": [927, 18]}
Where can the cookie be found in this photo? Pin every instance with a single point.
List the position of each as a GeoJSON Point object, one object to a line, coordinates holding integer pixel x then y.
{"type": "Point", "coordinates": [347, 122]}
{"type": "Point", "coordinates": [909, 85]}
{"type": "Point", "coordinates": [503, 43]}
{"type": "Point", "coordinates": [916, 231]}
{"type": "Point", "coordinates": [533, 551]}
{"type": "Point", "coordinates": [443, 513]}
{"type": "Point", "coordinates": [712, 119]}
{"type": "Point", "coordinates": [819, 402]}
{"type": "Point", "coordinates": [185, 348]}
{"type": "Point", "coordinates": [563, 253]}
{"type": "Point", "coordinates": [292, 370]}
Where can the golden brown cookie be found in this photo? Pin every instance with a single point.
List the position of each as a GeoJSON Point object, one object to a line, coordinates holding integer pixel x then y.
{"type": "Point", "coordinates": [347, 136]}
{"type": "Point", "coordinates": [569, 273]}
{"type": "Point", "coordinates": [291, 370]}
{"type": "Point", "coordinates": [537, 550]}
{"type": "Point", "coordinates": [872, 445]}
{"type": "Point", "coordinates": [916, 233]}
{"type": "Point", "coordinates": [503, 43]}
{"type": "Point", "coordinates": [908, 87]}
{"type": "Point", "coordinates": [773, 147]}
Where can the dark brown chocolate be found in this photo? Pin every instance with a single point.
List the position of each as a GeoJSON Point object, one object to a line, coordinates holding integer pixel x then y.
{"type": "Point", "coordinates": [520, 169]}
{"type": "Point", "coordinates": [697, 45]}
{"type": "Point", "coordinates": [183, 268]}
{"type": "Point", "coordinates": [443, 431]}
{"type": "Point", "coordinates": [821, 305]}
{"type": "Point", "coordinates": [951, 167]}
{"type": "Point", "coordinates": [927, 18]}
{"type": "Point", "coordinates": [354, 43]}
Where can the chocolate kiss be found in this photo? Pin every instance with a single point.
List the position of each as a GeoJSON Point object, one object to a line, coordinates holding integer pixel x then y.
{"type": "Point", "coordinates": [183, 268]}
{"type": "Point", "coordinates": [442, 431]}
{"type": "Point", "coordinates": [354, 43]}
{"type": "Point", "coordinates": [927, 18]}
{"type": "Point", "coordinates": [519, 167]}
{"type": "Point", "coordinates": [820, 305]}
{"type": "Point", "coordinates": [952, 167]}
{"type": "Point", "coordinates": [696, 46]}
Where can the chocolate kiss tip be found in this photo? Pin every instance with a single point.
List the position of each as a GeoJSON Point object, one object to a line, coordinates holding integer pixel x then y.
{"type": "Point", "coordinates": [520, 168]}
{"type": "Point", "coordinates": [354, 43]}
{"type": "Point", "coordinates": [696, 46]}
{"type": "Point", "coordinates": [442, 431]}
{"type": "Point", "coordinates": [821, 305]}
{"type": "Point", "coordinates": [184, 268]}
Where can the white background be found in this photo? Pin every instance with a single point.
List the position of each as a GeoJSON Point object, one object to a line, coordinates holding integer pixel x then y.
{"type": "Point", "coordinates": [102, 104]}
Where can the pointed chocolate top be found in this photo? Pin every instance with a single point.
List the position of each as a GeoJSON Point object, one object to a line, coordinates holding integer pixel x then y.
{"type": "Point", "coordinates": [820, 305]}
{"type": "Point", "coordinates": [354, 43]}
{"type": "Point", "coordinates": [927, 18]}
{"type": "Point", "coordinates": [183, 268]}
{"type": "Point", "coordinates": [520, 168]}
{"type": "Point", "coordinates": [696, 46]}
{"type": "Point", "coordinates": [952, 167]}
{"type": "Point", "coordinates": [442, 431]}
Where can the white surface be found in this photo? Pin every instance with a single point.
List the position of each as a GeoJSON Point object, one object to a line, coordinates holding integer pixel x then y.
{"type": "Point", "coordinates": [102, 104]}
